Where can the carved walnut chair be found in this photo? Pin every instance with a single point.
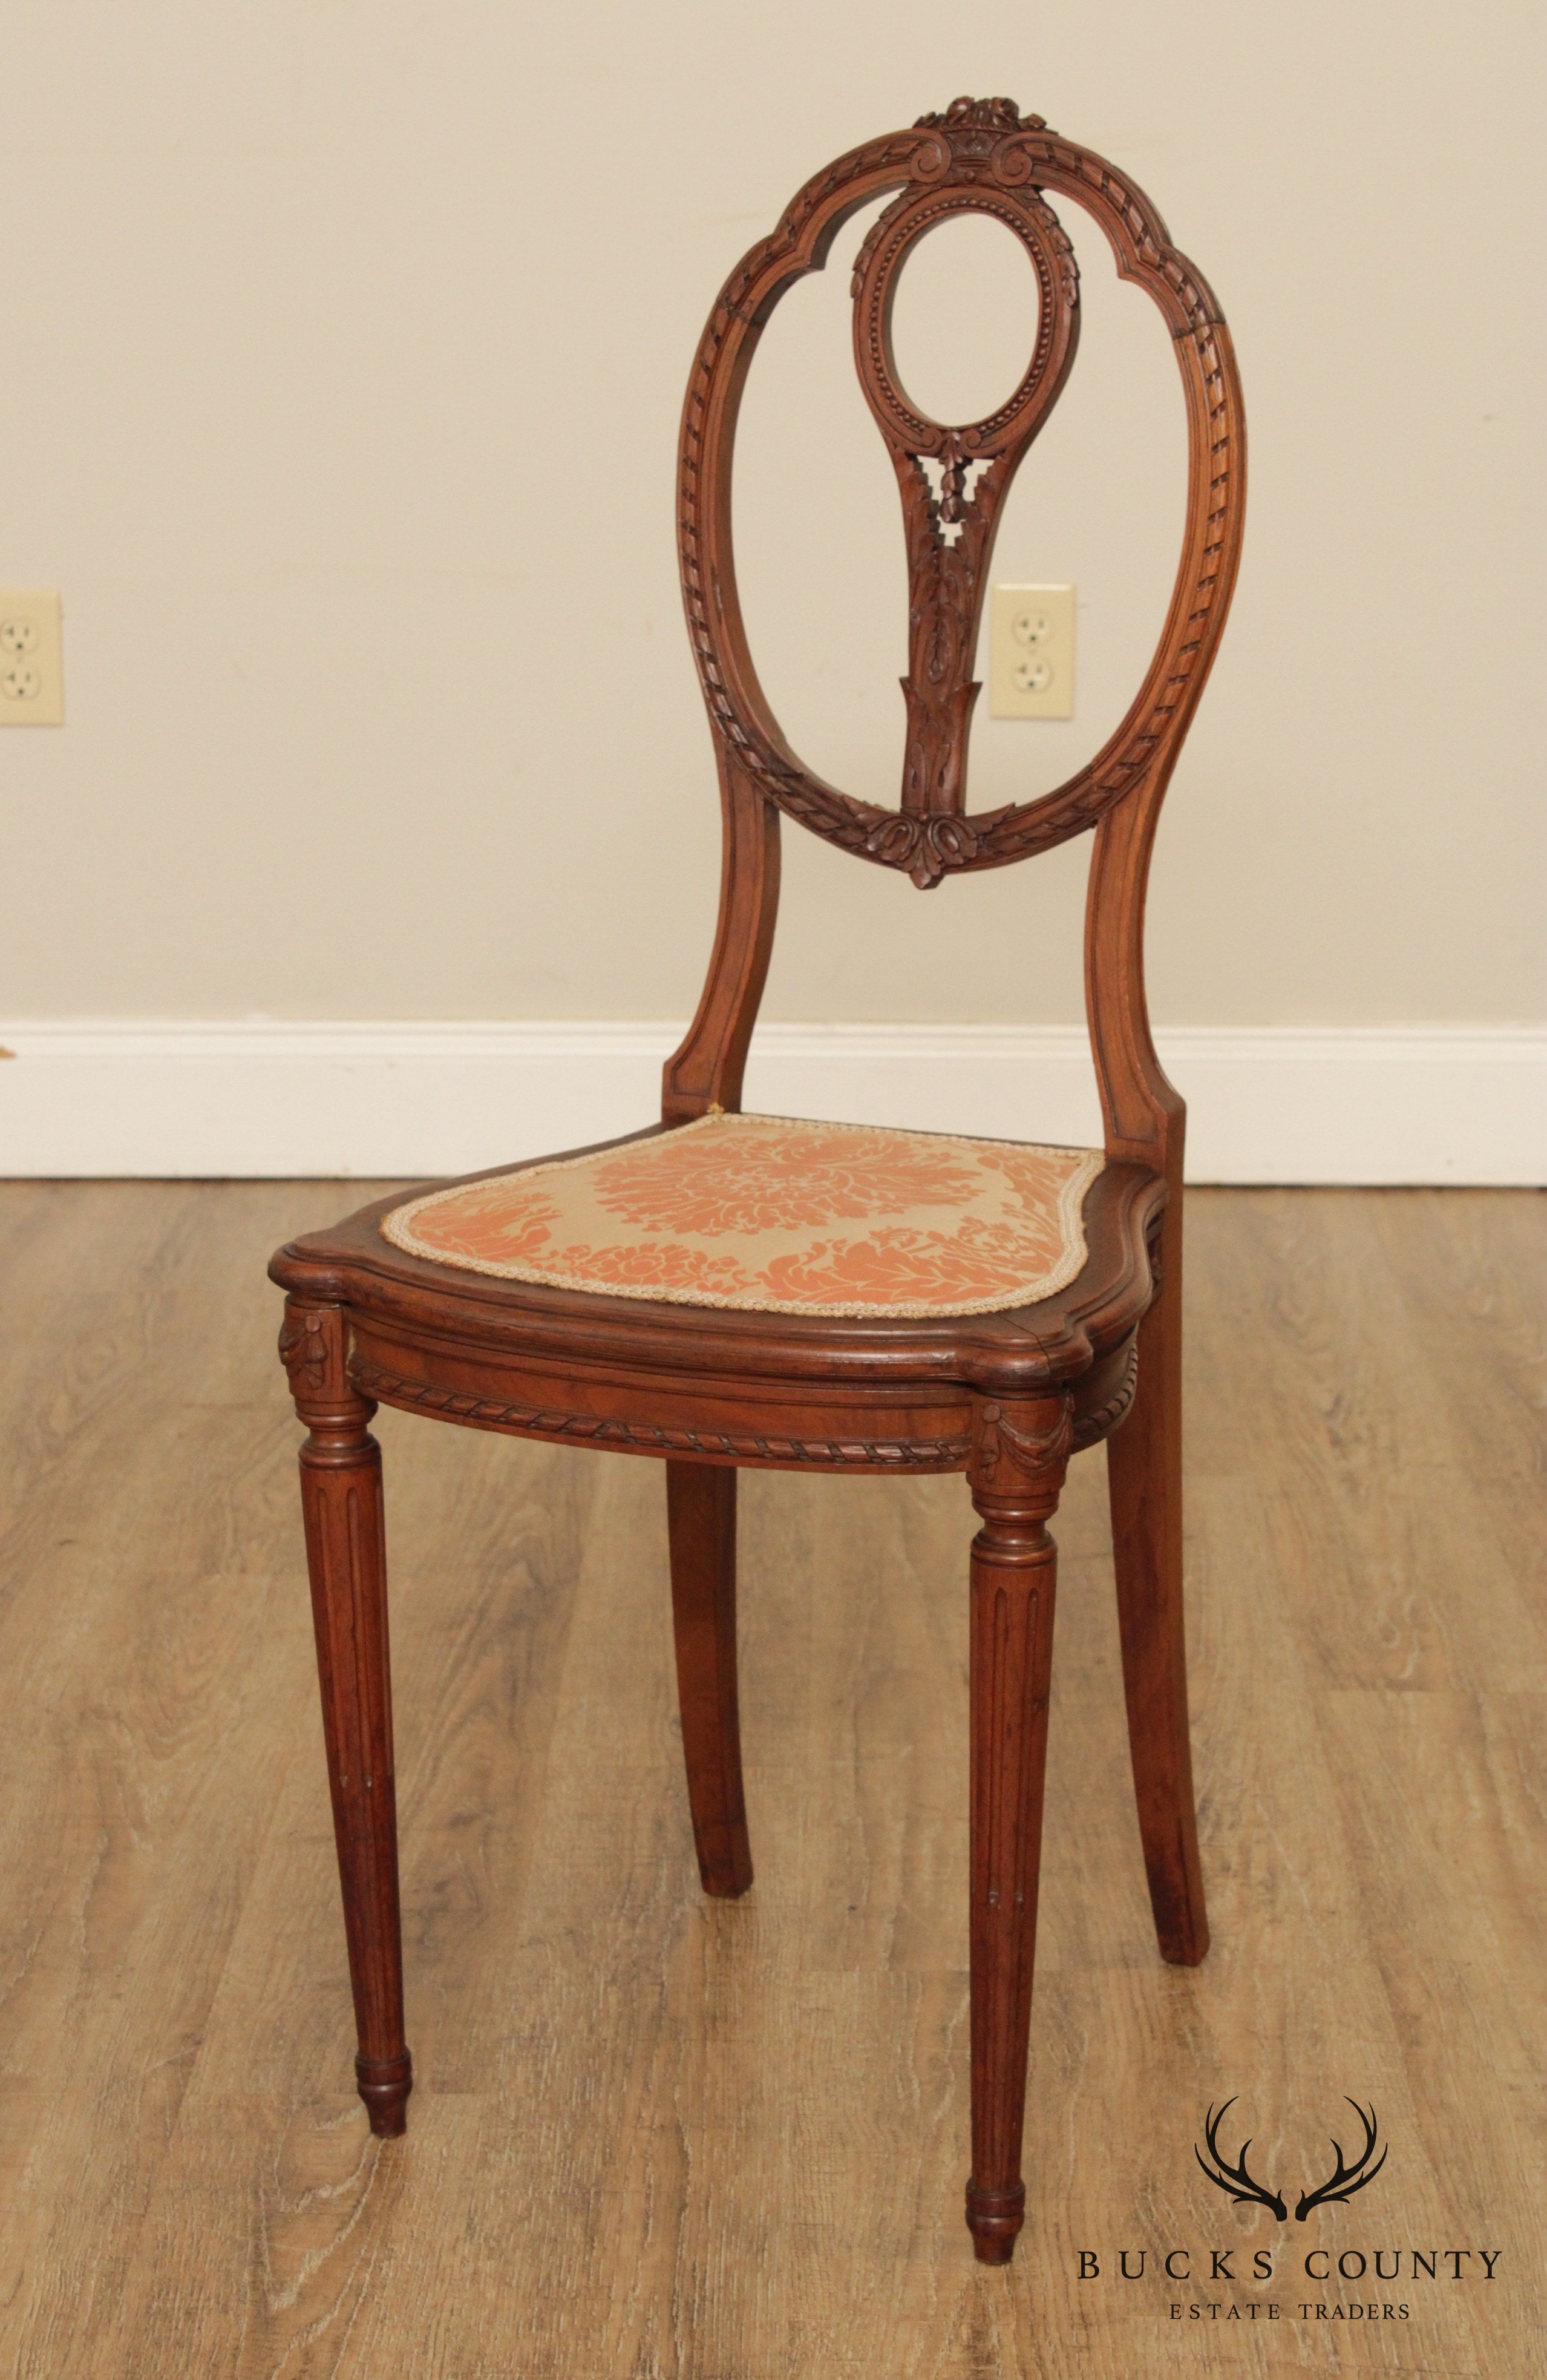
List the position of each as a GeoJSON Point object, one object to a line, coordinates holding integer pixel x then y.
{"type": "Point", "coordinates": [721, 1290]}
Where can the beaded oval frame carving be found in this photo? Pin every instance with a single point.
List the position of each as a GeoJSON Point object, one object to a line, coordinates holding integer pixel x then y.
{"type": "Point", "coordinates": [984, 156]}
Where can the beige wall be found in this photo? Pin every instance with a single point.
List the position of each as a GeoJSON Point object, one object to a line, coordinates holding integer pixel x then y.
{"type": "Point", "coordinates": [342, 352]}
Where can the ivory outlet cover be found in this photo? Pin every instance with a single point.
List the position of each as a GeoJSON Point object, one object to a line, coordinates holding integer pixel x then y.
{"type": "Point", "coordinates": [31, 658]}
{"type": "Point", "coordinates": [1031, 656]}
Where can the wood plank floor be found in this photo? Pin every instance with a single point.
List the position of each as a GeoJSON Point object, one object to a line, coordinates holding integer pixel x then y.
{"type": "Point", "coordinates": [657, 2137]}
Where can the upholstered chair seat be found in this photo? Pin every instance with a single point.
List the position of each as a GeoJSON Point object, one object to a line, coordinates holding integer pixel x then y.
{"type": "Point", "coordinates": [769, 1216]}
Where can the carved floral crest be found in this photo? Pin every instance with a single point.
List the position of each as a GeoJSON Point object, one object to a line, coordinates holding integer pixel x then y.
{"type": "Point", "coordinates": [970, 119]}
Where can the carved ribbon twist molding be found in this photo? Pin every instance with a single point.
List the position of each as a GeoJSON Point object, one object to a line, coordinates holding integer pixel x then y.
{"type": "Point", "coordinates": [978, 156]}
{"type": "Point", "coordinates": [600, 1429]}
{"type": "Point", "coordinates": [1089, 1426]}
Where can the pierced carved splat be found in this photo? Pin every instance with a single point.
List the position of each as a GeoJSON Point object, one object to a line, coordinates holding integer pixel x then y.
{"type": "Point", "coordinates": [953, 479]}
{"type": "Point", "coordinates": [979, 153]}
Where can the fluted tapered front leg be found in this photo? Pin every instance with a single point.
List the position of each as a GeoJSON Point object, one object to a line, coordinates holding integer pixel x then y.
{"type": "Point", "coordinates": [341, 1499]}
{"type": "Point", "coordinates": [1019, 1454]}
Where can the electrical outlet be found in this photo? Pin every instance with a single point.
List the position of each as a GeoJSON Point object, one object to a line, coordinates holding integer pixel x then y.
{"type": "Point", "coordinates": [31, 659]}
{"type": "Point", "coordinates": [1031, 654]}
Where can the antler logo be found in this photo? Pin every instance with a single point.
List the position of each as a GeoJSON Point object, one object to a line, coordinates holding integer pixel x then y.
{"type": "Point", "coordinates": [1340, 2187]}
{"type": "Point", "coordinates": [1238, 2184]}
{"type": "Point", "coordinates": [1234, 2180]}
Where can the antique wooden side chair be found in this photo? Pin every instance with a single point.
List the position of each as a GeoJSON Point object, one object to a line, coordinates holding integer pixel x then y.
{"type": "Point", "coordinates": [724, 1291]}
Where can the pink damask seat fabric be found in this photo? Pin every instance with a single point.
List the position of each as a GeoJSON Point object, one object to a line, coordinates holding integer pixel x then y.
{"type": "Point", "coordinates": [777, 1216]}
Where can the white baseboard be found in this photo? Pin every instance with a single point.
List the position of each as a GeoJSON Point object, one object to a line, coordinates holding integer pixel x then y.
{"type": "Point", "coordinates": [1422, 1103]}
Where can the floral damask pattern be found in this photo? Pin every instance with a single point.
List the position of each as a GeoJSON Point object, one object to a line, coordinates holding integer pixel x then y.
{"type": "Point", "coordinates": [746, 1181]}
{"type": "Point", "coordinates": [775, 1217]}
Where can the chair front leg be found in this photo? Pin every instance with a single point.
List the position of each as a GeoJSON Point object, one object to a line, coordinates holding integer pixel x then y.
{"type": "Point", "coordinates": [341, 1499]}
{"type": "Point", "coordinates": [1020, 1452]}
{"type": "Point", "coordinates": [701, 1521]}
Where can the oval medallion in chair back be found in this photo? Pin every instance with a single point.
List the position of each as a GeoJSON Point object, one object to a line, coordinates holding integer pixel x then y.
{"type": "Point", "coordinates": [980, 156]}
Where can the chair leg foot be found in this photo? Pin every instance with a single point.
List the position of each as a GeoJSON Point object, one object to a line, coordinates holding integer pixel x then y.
{"type": "Point", "coordinates": [384, 2083]}
{"type": "Point", "coordinates": [994, 2218]}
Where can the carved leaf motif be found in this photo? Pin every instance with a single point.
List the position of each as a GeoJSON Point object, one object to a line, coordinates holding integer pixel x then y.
{"type": "Point", "coordinates": [979, 115]}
